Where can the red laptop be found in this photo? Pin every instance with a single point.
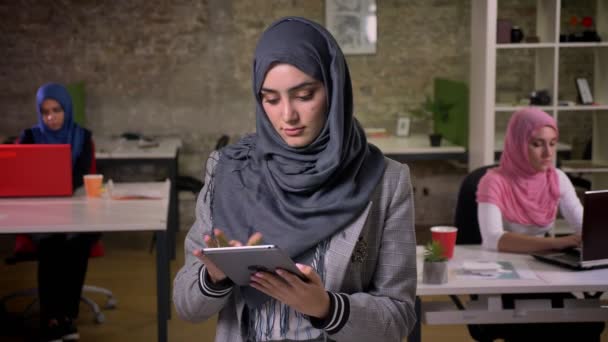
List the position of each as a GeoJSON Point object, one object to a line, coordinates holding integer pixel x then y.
{"type": "Point", "coordinates": [35, 170]}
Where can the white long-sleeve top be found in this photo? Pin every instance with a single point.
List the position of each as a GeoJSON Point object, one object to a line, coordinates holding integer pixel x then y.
{"type": "Point", "coordinates": [493, 225]}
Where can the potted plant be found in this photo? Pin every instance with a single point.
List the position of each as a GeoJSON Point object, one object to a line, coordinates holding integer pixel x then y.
{"type": "Point", "coordinates": [435, 267]}
{"type": "Point", "coordinates": [428, 111]}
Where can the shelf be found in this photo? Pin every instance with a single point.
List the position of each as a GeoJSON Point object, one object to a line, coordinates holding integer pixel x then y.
{"type": "Point", "coordinates": [548, 64]}
{"type": "Point", "coordinates": [582, 45]}
{"type": "Point", "coordinates": [576, 108]}
{"type": "Point", "coordinates": [526, 46]}
{"type": "Point", "coordinates": [507, 108]}
{"type": "Point", "coordinates": [581, 108]}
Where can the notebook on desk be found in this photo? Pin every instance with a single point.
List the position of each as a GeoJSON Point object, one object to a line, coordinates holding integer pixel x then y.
{"type": "Point", "coordinates": [593, 252]}
{"type": "Point", "coordinates": [35, 170]}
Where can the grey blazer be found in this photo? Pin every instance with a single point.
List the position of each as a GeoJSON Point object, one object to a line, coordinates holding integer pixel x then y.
{"type": "Point", "coordinates": [373, 261]}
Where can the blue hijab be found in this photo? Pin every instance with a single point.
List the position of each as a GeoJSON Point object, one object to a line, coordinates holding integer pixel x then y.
{"type": "Point", "coordinates": [70, 133]}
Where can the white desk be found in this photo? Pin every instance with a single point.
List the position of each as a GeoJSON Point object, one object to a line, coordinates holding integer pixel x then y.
{"type": "Point", "coordinates": [111, 148]}
{"type": "Point", "coordinates": [79, 214]}
{"type": "Point", "coordinates": [535, 277]}
{"type": "Point", "coordinates": [418, 147]}
{"type": "Point", "coordinates": [116, 152]}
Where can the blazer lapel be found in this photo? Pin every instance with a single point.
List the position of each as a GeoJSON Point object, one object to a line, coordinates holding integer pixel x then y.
{"type": "Point", "coordinates": [340, 249]}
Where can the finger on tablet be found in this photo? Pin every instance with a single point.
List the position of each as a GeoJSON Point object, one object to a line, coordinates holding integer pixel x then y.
{"type": "Point", "coordinates": [234, 243]}
{"type": "Point", "coordinates": [220, 238]}
{"type": "Point", "coordinates": [255, 239]}
{"type": "Point", "coordinates": [209, 241]}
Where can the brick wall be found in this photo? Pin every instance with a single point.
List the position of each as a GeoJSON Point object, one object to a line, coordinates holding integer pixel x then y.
{"type": "Point", "coordinates": [183, 68]}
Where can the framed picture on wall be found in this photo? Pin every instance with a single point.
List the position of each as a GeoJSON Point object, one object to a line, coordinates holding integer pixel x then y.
{"type": "Point", "coordinates": [354, 24]}
{"type": "Point", "coordinates": [403, 126]}
{"type": "Point", "coordinates": [584, 91]}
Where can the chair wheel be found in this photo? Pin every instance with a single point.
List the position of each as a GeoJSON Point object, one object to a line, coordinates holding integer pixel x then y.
{"type": "Point", "coordinates": [100, 318]}
{"type": "Point", "coordinates": [111, 303]}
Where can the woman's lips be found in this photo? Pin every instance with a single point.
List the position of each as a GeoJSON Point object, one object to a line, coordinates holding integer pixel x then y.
{"type": "Point", "coordinates": [292, 132]}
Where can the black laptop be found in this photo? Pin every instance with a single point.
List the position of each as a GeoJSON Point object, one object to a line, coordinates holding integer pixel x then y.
{"type": "Point", "coordinates": [593, 252]}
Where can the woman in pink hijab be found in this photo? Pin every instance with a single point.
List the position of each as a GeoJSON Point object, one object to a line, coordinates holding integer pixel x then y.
{"type": "Point", "coordinates": [518, 200]}
{"type": "Point", "coordinates": [517, 205]}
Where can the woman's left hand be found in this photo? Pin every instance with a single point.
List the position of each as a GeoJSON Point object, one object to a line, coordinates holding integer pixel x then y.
{"type": "Point", "coordinates": [308, 297]}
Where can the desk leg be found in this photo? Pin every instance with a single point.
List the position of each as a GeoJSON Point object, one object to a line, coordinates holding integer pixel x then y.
{"type": "Point", "coordinates": [173, 206]}
{"type": "Point", "coordinates": [162, 284]}
{"type": "Point", "coordinates": [416, 334]}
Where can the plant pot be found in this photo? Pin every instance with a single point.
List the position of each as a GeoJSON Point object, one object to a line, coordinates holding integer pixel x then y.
{"type": "Point", "coordinates": [435, 139]}
{"type": "Point", "coordinates": [435, 272]}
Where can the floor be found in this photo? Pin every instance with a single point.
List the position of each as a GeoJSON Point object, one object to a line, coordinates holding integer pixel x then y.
{"type": "Point", "coordinates": [128, 269]}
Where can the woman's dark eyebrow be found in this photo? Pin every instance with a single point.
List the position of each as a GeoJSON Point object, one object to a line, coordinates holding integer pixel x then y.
{"type": "Point", "coordinates": [52, 108]}
{"type": "Point", "coordinates": [292, 89]}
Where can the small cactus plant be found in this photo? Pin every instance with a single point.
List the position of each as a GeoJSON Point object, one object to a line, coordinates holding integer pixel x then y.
{"type": "Point", "coordinates": [435, 268]}
{"type": "Point", "coordinates": [433, 252]}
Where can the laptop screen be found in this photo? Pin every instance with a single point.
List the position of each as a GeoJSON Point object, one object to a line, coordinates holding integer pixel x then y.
{"type": "Point", "coordinates": [35, 170]}
{"type": "Point", "coordinates": [595, 225]}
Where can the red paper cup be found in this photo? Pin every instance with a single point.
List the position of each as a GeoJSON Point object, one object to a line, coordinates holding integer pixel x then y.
{"type": "Point", "coordinates": [446, 236]}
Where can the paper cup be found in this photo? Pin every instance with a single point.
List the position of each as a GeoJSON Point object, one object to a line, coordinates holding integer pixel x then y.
{"type": "Point", "coordinates": [446, 236]}
{"type": "Point", "coordinates": [92, 185]}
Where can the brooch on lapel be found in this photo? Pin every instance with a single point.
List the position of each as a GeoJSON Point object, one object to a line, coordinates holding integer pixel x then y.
{"type": "Point", "coordinates": [360, 251]}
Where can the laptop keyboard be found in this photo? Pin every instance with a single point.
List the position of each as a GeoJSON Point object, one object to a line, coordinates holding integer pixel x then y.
{"type": "Point", "coordinates": [569, 258]}
{"type": "Point", "coordinates": [574, 251]}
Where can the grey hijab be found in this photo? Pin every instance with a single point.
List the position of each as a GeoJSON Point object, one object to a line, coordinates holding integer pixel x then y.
{"type": "Point", "coordinates": [297, 197]}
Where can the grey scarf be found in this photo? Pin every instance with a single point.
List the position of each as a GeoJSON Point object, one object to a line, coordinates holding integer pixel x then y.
{"type": "Point", "coordinates": [297, 197]}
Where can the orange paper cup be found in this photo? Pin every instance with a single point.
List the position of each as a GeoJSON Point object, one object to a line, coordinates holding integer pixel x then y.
{"type": "Point", "coordinates": [446, 236]}
{"type": "Point", "coordinates": [92, 185]}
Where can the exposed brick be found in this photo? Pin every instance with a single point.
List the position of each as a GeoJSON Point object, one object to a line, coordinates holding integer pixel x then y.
{"type": "Point", "coordinates": [183, 67]}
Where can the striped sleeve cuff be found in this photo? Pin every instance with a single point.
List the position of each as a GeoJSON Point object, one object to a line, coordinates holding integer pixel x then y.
{"type": "Point", "coordinates": [209, 289]}
{"type": "Point", "coordinates": [339, 312]}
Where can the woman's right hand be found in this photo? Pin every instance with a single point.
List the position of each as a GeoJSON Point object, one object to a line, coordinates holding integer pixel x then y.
{"type": "Point", "coordinates": [568, 241]}
{"type": "Point", "coordinates": [219, 240]}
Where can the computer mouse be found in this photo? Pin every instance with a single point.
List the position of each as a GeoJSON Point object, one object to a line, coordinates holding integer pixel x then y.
{"type": "Point", "coordinates": [131, 136]}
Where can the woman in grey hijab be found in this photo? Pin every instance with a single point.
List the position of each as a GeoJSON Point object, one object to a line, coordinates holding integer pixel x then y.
{"type": "Point", "coordinates": [309, 182]}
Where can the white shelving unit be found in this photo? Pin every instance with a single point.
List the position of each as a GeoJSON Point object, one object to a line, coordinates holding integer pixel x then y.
{"type": "Point", "coordinates": [483, 106]}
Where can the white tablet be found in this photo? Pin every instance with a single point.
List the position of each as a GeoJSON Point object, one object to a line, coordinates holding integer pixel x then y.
{"type": "Point", "coordinates": [239, 263]}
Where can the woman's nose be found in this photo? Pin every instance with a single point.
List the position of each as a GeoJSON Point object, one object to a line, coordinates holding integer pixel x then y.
{"type": "Point", "coordinates": [289, 113]}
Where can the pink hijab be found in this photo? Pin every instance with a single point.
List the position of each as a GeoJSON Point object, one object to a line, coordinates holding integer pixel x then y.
{"type": "Point", "coordinates": [524, 195]}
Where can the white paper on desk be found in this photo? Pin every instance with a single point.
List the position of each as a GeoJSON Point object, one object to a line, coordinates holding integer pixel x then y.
{"type": "Point", "coordinates": [481, 266]}
{"type": "Point", "coordinates": [132, 191]}
{"type": "Point", "coordinates": [498, 269]}
{"type": "Point", "coordinates": [488, 270]}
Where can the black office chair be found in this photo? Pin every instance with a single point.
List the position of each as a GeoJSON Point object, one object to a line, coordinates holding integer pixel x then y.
{"type": "Point", "coordinates": [465, 218]}
{"type": "Point", "coordinates": [26, 251]}
{"type": "Point", "coordinates": [191, 184]}
{"type": "Point", "coordinates": [221, 142]}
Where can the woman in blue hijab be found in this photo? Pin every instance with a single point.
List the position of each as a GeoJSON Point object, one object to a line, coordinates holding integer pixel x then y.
{"type": "Point", "coordinates": [62, 258]}
{"type": "Point", "coordinates": [309, 182]}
